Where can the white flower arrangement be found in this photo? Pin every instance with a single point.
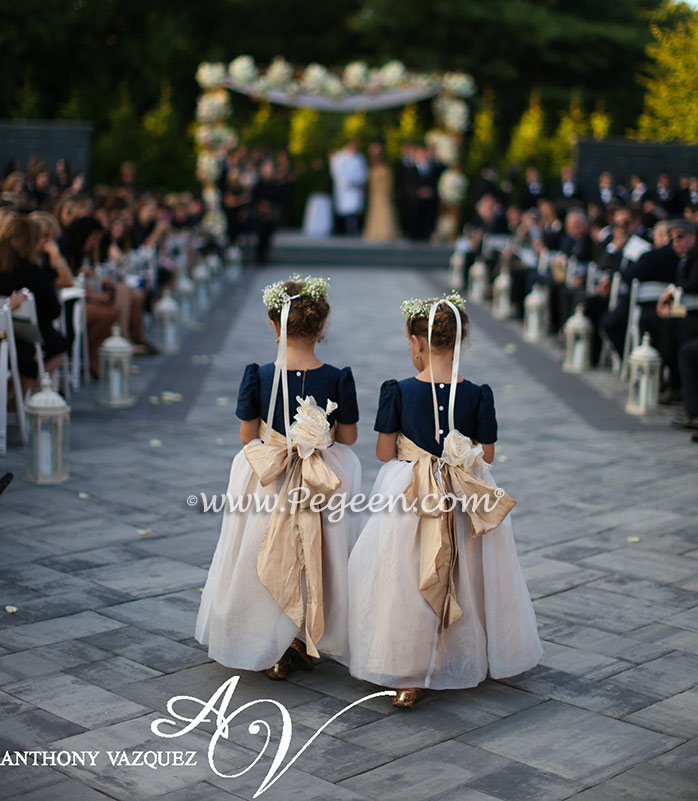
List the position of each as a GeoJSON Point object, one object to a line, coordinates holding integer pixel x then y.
{"type": "Point", "coordinates": [213, 106]}
{"type": "Point", "coordinates": [445, 145]}
{"type": "Point", "coordinates": [458, 83]}
{"type": "Point", "coordinates": [355, 76]}
{"type": "Point", "coordinates": [393, 74]}
{"type": "Point", "coordinates": [314, 79]}
{"type": "Point", "coordinates": [214, 222]}
{"type": "Point", "coordinates": [210, 76]}
{"type": "Point", "coordinates": [275, 296]}
{"type": "Point", "coordinates": [242, 70]}
{"type": "Point", "coordinates": [452, 187]}
{"type": "Point", "coordinates": [416, 307]}
{"type": "Point", "coordinates": [208, 167]}
{"type": "Point", "coordinates": [454, 114]}
{"type": "Point", "coordinates": [211, 197]}
{"type": "Point", "coordinates": [334, 88]}
{"type": "Point", "coordinates": [459, 451]}
{"type": "Point", "coordinates": [279, 73]}
{"type": "Point", "coordinates": [310, 430]}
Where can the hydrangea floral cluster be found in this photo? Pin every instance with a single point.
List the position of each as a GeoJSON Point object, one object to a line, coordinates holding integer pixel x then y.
{"type": "Point", "coordinates": [275, 295]}
{"type": "Point", "coordinates": [416, 307]}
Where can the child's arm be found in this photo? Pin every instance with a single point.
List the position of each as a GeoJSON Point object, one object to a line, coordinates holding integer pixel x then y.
{"type": "Point", "coordinates": [488, 453]}
{"type": "Point", "coordinates": [386, 447]}
{"type": "Point", "coordinates": [249, 430]}
{"type": "Point", "coordinates": [346, 433]}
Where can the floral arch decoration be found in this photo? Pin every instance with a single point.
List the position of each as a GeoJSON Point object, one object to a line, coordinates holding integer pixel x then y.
{"type": "Point", "coordinates": [356, 88]}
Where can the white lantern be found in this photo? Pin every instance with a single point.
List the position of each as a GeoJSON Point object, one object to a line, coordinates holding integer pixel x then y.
{"type": "Point", "coordinates": [233, 259]}
{"type": "Point", "coordinates": [645, 369]}
{"type": "Point", "coordinates": [577, 330]}
{"type": "Point", "coordinates": [456, 264]}
{"type": "Point", "coordinates": [535, 313]}
{"type": "Point", "coordinates": [215, 267]}
{"type": "Point", "coordinates": [185, 292]}
{"type": "Point", "coordinates": [48, 436]}
{"type": "Point", "coordinates": [115, 370]}
{"type": "Point", "coordinates": [501, 295]}
{"type": "Point", "coordinates": [477, 281]}
{"type": "Point", "coordinates": [167, 315]}
{"type": "Point", "coordinates": [200, 275]}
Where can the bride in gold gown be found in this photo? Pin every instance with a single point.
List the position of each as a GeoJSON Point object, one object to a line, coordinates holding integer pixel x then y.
{"type": "Point", "coordinates": [381, 225]}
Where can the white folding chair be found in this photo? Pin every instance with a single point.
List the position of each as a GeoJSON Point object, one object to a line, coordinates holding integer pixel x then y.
{"type": "Point", "coordinates": [494, 243]}
{"type": "Point", "coordinates": [608, 352]}
{"type": "Point", "coordinates": [9, 369]}
{"type": "Point", "coordinates": [592, 271]}
{"type": "Point", "coordinates": [78, 358]}
{"type": "Point", "coordinates": [26, 318]}
{"type": "Point", "coordinates": [645, 292]}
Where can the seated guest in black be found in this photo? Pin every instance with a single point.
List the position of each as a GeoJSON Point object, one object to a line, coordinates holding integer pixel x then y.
{"type": "Point", "coordinates": [19, 245]}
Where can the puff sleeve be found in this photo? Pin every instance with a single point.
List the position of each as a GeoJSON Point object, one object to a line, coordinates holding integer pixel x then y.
{"type": "Point", "coordinates": [486, 420]}
{"type": "Point", "coordinates": [388, 415]}
{"type": "Point", "coordinates": [347, 406]}
{"type": "Point", "coordinates": [248, 407]}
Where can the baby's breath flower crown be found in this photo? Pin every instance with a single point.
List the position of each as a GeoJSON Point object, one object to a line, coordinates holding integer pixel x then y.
{"type": "Point", "coordinates": [275, 295]}
{"type": "Point", "coordinates": [414, 307]}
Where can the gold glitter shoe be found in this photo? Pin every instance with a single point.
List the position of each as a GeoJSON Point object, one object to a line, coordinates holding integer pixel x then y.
{"type": "Point", "coordinates": [405, 699]}
{"type": "Point", "coordinates": [299, 658]}
{"type": "Point", "coordinates": [279, 671]}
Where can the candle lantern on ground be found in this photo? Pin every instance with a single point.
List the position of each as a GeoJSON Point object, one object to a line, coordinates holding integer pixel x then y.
{"type": "Point", "coordinates": [48, 440]}
{"type": "Point", "coordinates": [456, 264]}
{"type": "Point", "coordinates": [577, 330]}
{"type": "Point", "coordinates": [115, 370]}
{"type": "Point", "coordinates": [535, 306]}
{"type": "Point", "coordinates": [501, 295]}
{"type": "Point", "coordinates": [185, 292]}
{"type": "Point", "coordinates": [201, 277]}
{"type": "Point", "coordinates": [477, 281]}
{"type": "Point", "coordinates": [167, 315]}
{"type": "Point", "coordinates": [645, 369]}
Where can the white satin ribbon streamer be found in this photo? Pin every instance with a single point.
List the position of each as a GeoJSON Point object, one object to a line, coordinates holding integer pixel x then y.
{"type": "Point", "coordinates": [280, 371]}
{"type": "Point", "coordinates": [454, 367]}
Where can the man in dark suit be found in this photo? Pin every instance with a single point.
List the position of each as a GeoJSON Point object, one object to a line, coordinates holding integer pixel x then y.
{"type": "Point", "coordinates": [533, 189]}
{"type": "Point", "coordinates": [568, 192]}
{"type": "Point", "coordinates": [672, 332]}
{"type": "Point", "coordinates": [422, 181]}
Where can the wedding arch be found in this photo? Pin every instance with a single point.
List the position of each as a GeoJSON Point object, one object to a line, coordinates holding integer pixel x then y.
{"type": "Point", "coordinates": [356, 88]}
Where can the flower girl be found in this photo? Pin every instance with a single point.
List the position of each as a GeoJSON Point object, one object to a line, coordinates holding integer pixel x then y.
{"type": "Point", "coordinates": [437, 596]}
{"type": "Point", "coordinates": [276, 592]}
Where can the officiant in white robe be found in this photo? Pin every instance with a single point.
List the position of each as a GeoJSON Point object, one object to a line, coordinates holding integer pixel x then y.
{"type": "Point", "coordinates": [349, 175]}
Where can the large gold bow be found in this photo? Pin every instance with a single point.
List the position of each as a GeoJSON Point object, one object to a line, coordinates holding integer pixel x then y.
{"type": "Point", "coordinates": [293, 539]}
{"type": "Point", "coordinates": [432, 480]}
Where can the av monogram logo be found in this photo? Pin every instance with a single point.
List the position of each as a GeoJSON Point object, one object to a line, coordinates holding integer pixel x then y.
{"type": "Point", "coordinates": [217, 708]}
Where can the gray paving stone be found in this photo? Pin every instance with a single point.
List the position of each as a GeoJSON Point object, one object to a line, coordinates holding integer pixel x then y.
{"type": "Point", "coordinates": [33, 635]}
{"type": "Point", "coordinates": [172, 615]}
{"type": "Point", "coordinates": [605, 697]}
{"type": "Point", "coordinates": [68, 603]}
{"type": "Point", "coordinates": [316, 713]}
{"type": "Point", "coordinates": [663, 677]}
{"type": "Point", "coordinates": [16, 781]}
{"type": "Point", "coordinates": [147, 576]}
{"type": "Point", "coordinates": [681, 761]}
{"type": "Point", "coordinates": [548, 737]}
{"type": "Point", "coordinates": [75, 700]}
{"type": "Point", "coordinates": [195, 549]}
{"type": "Point", "coordinates": [577, 661]}
{"type": "Point", "coordinates": [94, 557]}
{"type": "Point", "coordinates": [683, 620]}
{"type": "Point", "coordinates": [203, 791]}
{"type": "Point", "coordinates": [47, 659]}
{"type": "Point", "coordinates": [9, 705]}
{"type": "Point", "coordinates": [34, 729]}
{"type": "Point", "coordinates": [427, 774]}
{"type": "Point", "coordinates": [546, 576]}
{"type": "Point", "coordinates": [517, 782]}
{"type": "Point", "coordinates": [66, 790]}
{"type": "Point", "coordinates": [113, 672]}
{"type": "Point", "coordinates": [650, 565]}
{"type": "Point", "coordinates": [494, 697]}
{"type": "Point", "coordinates": [641, 783]}
{"type": "Point", "coordinates": [677, 715]}
{"type": "Point", "coordinates": [668, 594]}
{"type": "Point", "coordinates": [159, 653]}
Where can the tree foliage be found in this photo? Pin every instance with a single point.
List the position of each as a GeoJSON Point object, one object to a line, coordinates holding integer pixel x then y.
{"type": "Point", "coordinates": [72, 59]}
{"type": "Point", "coordinates": [671, 101]}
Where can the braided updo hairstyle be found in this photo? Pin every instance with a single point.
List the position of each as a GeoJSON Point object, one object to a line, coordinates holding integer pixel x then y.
{"type": "Point", "coordinates": [443, 332]}
{"type": "Point", "coordinates": [306, 316]}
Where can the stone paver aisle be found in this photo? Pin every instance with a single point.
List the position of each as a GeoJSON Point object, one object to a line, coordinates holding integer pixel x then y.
{"type": "Point", "coordinates": [106, 585]}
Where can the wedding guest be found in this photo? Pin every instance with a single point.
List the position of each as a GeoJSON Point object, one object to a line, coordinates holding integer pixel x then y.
{"type": "Point", "coordinates": [533, 189]}
{"type": "Point", "coordinates": [688, 370]}
{"type": "Point", "coordinates": [20, 240]}
{"type": "Point", "coordinates": [380, 216]}
{"type": "Point", "coordinates": [568, 192]}
{"type": "Point", "coordinates": [267, 202]}
{"type": "Point", "coordinates": [349, 175]}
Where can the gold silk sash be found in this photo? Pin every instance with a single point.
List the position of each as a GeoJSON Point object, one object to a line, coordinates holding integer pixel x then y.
{"type": "Point", "coordinates": [293, 539]}
{"type": "Point", "coordinates": [433, 479]}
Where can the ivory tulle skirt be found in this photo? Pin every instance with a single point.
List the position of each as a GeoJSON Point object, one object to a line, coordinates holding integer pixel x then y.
{"type": "Point", "coordinates": [394, 637]}
{"type": "Point", "coordinates": [238, 619]}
